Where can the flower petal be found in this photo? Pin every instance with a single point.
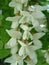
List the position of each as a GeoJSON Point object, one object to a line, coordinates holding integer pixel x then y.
{"type": "Point", "coordinates": [13, 33]}
{"type": "Point", "coordinates": [14, 24]}
{"type": "Point", "coordinates": [22, 52]}
{"type": "Point", "coordinates": [31, 53]}
{"type": "Point", "coordinates": [38, 35]}
{"type": "Point", "coordinates": [14, 50]}
{"type": "Point", "coordinates": [25, 35]}
{"type": "Point", "coordinates": [11, 43]}
{"type": "Point", "coordinates": [24, 27]}
{"type": "Point", "coordinates": [37, 44]}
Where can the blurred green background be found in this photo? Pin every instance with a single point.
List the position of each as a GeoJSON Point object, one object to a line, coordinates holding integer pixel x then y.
{"type": "Point", "coordinates": [4, 37]}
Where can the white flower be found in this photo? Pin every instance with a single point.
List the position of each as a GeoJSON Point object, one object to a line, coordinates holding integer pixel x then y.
{"type": "Point", "coordinates": [22, 51]}
{"type": "Point", "coordinates": [37, 44]}
{"type": "Point", "coordinates": [15, 60]}
{"type": "Point", "coordinates": [26, 31]}
{"type": "Point", "coordinates": [46, 55]}
{"type": "Point", "coordinates": [14, 20]}
{"type": "Point", "coordinates": [38, 35]}
{"type": "Point", "coordinates": [17, 4]}
{"type": "Point", "coordinates": [25, 17]}
{"type": "Point", "coordinates": [17, 8]}
{"type": "Point", "coordinates": [23, 20]}
{"type": "Point", "coordinates": [38, 15]}
{"type": "Point", "coordinates": [37, 12]}
{"type": "Point", "coordinates": [12, 43]}
{"type": "Point", "coordinates": [41, 29]}
{"type": "Point", "coordinates": [13, 33]}
{"type": "Point", "coordinates": [35, 37]}
{"type": "Point", "coordinates": [25, 13]}
{"type": "Point", "coordinates": [39, 7]}
{"type": "Point", "coordinates": [14, 49]}
{"type": "Point", "coordinates": [35, 22]}
{"type": "Point", "coordinates": [29, 18]}
{"type": "Point", "coordinates": [27, 50]}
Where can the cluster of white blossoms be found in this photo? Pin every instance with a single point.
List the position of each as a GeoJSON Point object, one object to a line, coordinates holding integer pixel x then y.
{"type": "Point", "coordinates": [25, 20]}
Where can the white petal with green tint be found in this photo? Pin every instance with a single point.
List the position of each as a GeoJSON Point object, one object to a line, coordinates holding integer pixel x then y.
{"type": "Point", "coordinates": [38, 15]}
{"type": "Point", "coordinates": [14, 24]}
{"type": "Point", "coordinates": [13, 33]}
{"type": "Point", "coordinates": [14, 59]}
{"type": "Point", "coordinates": [17, 8]}
{"type": "Point", "coordinates": [11, 43]}
{"type": "Point", "coordinates": [14, 50]}
{"type": "Point", "coordinates": [22, 51]}
{"type": "Point", "coordinates": [38, 35]}
{"type": "Point", "coordinates": [40, 29]}
{"type": "Point", "coordinates": [37, 44]}
{"type": "Point", "coordinates": [12, 4]}
{"type": "Point", "coordinates": [39, 7]}
{"type": "Point", "coordinates": [25, 35]}
{"type": "Point", "coordinates": [31, 53]}
{"type": "Point", "coordinates": [13, 19]}
{"type": "Point", "coordinates": [24, 27]}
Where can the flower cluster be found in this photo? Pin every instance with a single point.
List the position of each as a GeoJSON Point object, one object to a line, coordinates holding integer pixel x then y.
{"type": "Point", "coordinates": [25, 20]}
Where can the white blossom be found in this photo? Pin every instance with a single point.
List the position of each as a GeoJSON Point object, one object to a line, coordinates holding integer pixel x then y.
{"type": "Point", "coordinates": [15, 60]}
{"type": "Point", "coordinates": [30, 18]}
{"type": "Point", "coordinates": [14, 20]}
{"type": "Point", "coordinates": [26, 31]}
{"type": "Point", "coordinates": [17, 4]}
{"type": "Point", "coordinates": [37, 36]}
{"type": "Point", "coordinates": [13, 33]}
{"type": "Point", "coordinates": [12, 43]}
{"type": "Point", "coordinates": [28, 49]}
{"type": "Point", "coordinates": [40, 29]}
{"type": "Point", "coordinates": [37, 12]}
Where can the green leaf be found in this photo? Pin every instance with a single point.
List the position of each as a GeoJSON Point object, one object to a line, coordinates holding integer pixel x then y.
{"type": "Point", "coordinates": [1, 44]}
{"type": "Point", "coordinates": [4, 53]}
{"type": "Point", "coordinates": [1, 17]}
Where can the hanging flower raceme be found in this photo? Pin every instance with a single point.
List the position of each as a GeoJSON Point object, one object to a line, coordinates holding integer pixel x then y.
{"type": "Point", "coordinates": [25, 20]}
